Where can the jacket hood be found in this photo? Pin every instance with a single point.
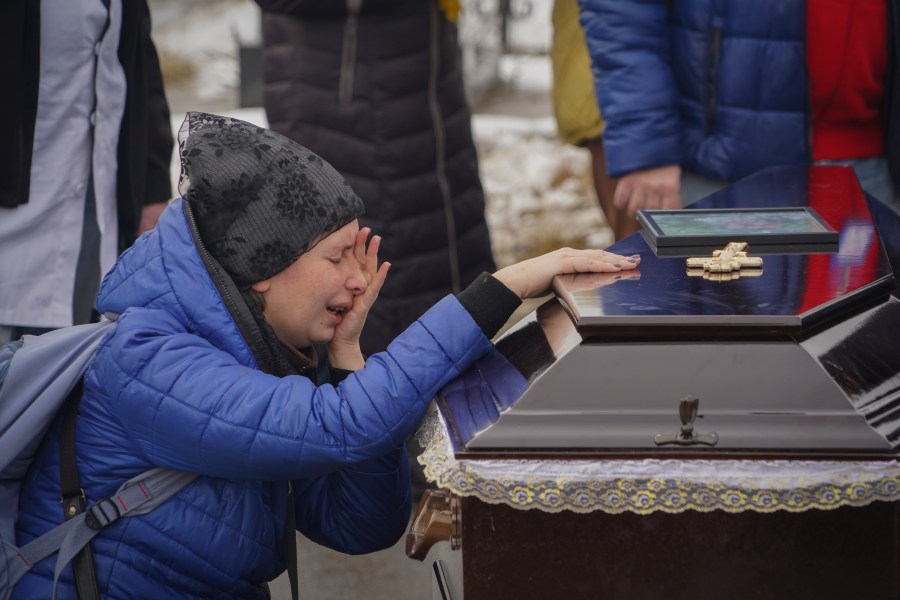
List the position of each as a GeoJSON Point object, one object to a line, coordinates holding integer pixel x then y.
{"type": "Point", "coordinates": [164, 270]}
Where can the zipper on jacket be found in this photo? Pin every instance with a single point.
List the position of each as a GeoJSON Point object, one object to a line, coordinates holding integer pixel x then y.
{"type": "Point", "coordinates": [207, 257]}
{"type": "Point", "coordinates": [712, 73]}
{"type": "Point", "coordinates": [348, 52]}
{"type": "Point", "coordinates": [440, 145]}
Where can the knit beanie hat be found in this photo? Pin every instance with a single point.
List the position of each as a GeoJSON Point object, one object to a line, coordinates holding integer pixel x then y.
{"type": "Point", "coordinates": [260, 199]}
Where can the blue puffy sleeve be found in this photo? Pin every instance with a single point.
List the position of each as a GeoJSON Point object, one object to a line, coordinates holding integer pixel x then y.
{"type": "Point", "coordinates": [629, 44]}
{"type": "Point", "coordinates": [189, 406]}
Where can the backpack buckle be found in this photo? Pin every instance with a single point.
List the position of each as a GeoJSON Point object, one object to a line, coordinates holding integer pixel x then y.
{"type": "Point", "coordinates": [102, 513]}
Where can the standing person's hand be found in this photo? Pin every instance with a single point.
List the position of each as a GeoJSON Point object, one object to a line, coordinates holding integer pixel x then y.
{"type": "Point", "coordinates": [656, 188]}
{"type": "Point", "coordinates": [532, 278]}
{"type": "Point", "coordinates": [343, 349]}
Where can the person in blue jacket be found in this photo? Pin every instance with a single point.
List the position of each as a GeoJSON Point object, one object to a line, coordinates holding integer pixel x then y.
{"type": "Point", "coordinates": [699, 93]}
{"type": "Point", "coordinates": [235, 356]}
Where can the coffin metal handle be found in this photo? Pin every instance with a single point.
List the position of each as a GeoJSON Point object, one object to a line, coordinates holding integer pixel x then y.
{"type": "Point", "coordinates": [688, 408]}
{"type": "Point", "coordinates": [437, 520]}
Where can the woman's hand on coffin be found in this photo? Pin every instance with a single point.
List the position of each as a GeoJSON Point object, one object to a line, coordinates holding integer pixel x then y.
{"type": "Point", "coordinates": [532, 278]}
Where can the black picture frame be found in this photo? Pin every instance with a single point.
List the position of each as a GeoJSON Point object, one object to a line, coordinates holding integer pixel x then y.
{"type": "Point", "coordinates": [702, 228]}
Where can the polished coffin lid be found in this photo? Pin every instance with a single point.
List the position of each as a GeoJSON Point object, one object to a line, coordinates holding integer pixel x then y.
{"type": "Point", "coordinates": [800, 361]}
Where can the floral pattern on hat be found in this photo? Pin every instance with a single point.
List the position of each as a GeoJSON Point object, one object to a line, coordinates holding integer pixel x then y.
{"type": "Point", "coordinates": [260, 199]}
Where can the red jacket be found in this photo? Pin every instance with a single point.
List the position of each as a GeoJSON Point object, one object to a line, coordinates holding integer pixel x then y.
{"type": "Point", "coordinates": [847, 57]}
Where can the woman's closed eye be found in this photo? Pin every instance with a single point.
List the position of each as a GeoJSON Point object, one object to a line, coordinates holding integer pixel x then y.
{"type": "Point", "coordinates": [338, 258]}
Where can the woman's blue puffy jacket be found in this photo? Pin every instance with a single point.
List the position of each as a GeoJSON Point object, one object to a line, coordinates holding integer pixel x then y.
{"type": "Point", "coordinates": [717, 86]}
{"type": "Point", "coordinates": [176, 385]}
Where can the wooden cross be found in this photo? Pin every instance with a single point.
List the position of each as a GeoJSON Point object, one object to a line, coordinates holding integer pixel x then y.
{"type": "Point", "coordinates": [731, 258]}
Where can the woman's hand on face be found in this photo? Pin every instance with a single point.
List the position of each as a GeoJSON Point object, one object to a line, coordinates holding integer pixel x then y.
{"type": "Point", "coordinates": [344, 346]}
{"type": "Point", "coordinates": [532, 278]}
{"type": "Point", "coordinates": [373, 276]}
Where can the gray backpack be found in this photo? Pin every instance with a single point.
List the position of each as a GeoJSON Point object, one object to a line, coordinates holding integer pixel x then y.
{"type": "Point", "coordinates": [38, 375]}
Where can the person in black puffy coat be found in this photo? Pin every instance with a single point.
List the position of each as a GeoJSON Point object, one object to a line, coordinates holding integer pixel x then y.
{"type": "Point", "coordinates": [375, 87]}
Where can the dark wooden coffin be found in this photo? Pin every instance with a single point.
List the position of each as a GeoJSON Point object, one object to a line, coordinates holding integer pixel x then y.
{"type": "Point", "coordinates": [666, 435]}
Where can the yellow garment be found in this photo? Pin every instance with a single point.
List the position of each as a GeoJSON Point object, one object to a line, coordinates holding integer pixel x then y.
{"type": "Point", "coordinates": [450, 9]}
{"type": "Point", "coordinates": [574, 101]}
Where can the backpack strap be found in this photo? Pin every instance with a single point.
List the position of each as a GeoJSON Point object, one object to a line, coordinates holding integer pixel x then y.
{"type": "Point", "coordinates": [290, 543]}
{"type": "Point", "coordinates": [72, 495]}
{"type": "Point", "coordinates": [137, 496]}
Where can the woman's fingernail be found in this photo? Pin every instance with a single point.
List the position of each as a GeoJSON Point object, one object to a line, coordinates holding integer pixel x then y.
{"type": "Point", "coordinates": [617, 265]}
{"type": "Point", "coordinates": [631, 260]}
{"type": "Point", "coordinates": [635, 256]}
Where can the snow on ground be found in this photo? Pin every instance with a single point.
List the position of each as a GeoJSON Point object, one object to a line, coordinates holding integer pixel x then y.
{"type": "Point", "coordinates": [208, 35]}
{"type": "Point", "coordinates": [538, 190]}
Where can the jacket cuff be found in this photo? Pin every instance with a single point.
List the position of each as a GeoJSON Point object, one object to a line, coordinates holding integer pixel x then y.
{"type": "Point", "coordinates": [337, 375]}
{"type": "Point", "coordinates": [489, 302]}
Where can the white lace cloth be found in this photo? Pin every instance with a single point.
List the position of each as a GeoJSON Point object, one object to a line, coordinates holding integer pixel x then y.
{"type": "Point", "coordinates": [649, 485]}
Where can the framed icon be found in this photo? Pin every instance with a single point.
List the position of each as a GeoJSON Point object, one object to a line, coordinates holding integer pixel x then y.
{"type": "Point", "coordinates": [756, 226]}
